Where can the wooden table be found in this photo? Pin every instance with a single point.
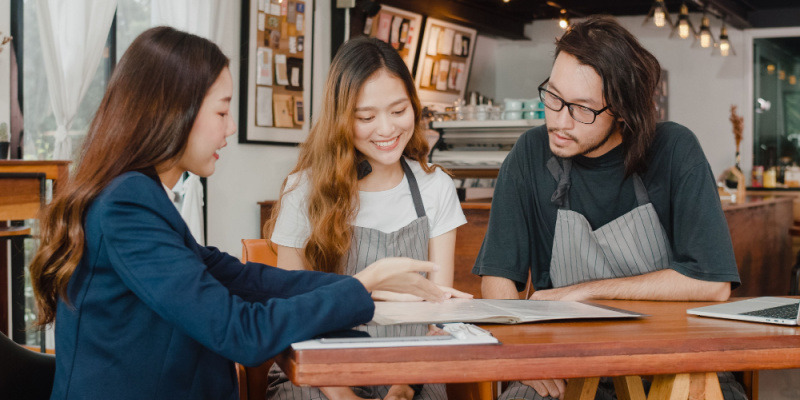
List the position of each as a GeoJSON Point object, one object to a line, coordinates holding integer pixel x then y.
{"type": "Point", "coordinates": [679, 350]}
{"type": "Point", "coordinates": [57, 171]}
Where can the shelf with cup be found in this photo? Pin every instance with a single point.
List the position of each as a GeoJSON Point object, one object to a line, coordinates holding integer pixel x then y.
{"type": "Point", "coordinates": [476, 149]}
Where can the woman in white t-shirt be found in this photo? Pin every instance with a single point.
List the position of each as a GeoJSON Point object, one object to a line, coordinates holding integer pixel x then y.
{"type": "Point", "coordinates": [362, 191]}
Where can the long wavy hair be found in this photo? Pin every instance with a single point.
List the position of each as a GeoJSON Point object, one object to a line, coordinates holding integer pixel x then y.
{"type": "Point", "coordinates": [630, 74]}
{"type": "Point", "coordinates": [143, 122]}
{"type": "Point", "coordinates": [329, 158]}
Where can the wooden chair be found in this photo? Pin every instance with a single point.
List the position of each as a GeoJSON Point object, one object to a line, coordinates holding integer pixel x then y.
{"type": "Point", "coordinates": [25, 374]}
{"type": "Point", "coordinates": [22, 195]}
{"type": "Point", "coordinates": [253, 380]}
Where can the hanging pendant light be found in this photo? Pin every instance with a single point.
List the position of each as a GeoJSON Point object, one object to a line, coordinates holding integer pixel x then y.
{"type": "Point", "coordinates": [684, 25]}
{"type": "Point", "coordinates": [706, 38]}
{"type": "Point", "coordinates": [658, 12]}
{"type": "Point", "coordinates": [563, 20]}
{"type": "Point", "coordinates": [725, 48]}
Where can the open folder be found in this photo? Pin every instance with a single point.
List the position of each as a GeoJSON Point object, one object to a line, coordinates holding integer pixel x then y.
{"type": "Point", "coordinates": [490, 311]}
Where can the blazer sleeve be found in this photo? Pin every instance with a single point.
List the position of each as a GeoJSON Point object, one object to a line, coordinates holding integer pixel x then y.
{"type": "Point", "coordinates": [153, 259]}
{"type": "Point", "coordinates": [259, 282]}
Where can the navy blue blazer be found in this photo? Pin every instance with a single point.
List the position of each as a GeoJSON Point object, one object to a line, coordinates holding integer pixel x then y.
{"type": "Point", "coordinates": [154, 315]}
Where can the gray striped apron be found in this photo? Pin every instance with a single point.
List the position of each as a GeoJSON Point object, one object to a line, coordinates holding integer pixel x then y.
{"type": "Point", "coordinates": [370, 245]}
{"type": "Point", "coordinates": [633, 244]}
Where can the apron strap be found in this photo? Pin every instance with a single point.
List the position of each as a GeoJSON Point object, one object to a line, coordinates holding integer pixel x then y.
{"type": "Point", "coordinates": [561, 175]}
{"type": "Point", "coordinates": [412, 184]}
{"type": "Point", "coordinates": [641, 191]}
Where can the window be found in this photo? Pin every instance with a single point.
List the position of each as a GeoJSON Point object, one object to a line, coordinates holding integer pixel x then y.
{"type": "Point", "coordinates": [132, 18]}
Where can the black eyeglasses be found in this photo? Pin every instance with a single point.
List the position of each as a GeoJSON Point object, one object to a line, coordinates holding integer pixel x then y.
{"type": "Point", "coordinates": [582, 114]}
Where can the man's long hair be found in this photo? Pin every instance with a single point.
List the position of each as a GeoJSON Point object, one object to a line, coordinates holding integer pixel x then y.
{"type": "Point", "coordinates": [630, 75]}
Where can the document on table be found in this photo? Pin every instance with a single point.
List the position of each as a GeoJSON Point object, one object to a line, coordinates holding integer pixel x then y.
{"type": "Point", "coordinates": [490, 311]}
{"type": "Point", "coordinates": [457, 334]}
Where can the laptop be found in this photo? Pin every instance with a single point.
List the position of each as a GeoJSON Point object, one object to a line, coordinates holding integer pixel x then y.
{"type": "Point", "coordinates": [771, 310]}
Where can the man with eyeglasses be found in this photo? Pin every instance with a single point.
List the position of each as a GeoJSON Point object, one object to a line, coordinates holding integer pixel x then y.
{"type": "Point", "coordinates": [603, 202]}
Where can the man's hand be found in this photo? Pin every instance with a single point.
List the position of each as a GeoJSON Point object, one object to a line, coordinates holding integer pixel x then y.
{"type": "Point", "coordinates": [554, 388]}
{"type": "Point", "coordinates": [340, 393]}
{"type": "Point", "coordinates": [566, 293]}
{"type": "Point", "coordinates": [400, 392]}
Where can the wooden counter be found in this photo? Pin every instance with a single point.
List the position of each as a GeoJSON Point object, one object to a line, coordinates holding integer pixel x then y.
{"type": "Point", "coordinates": [762, 244]}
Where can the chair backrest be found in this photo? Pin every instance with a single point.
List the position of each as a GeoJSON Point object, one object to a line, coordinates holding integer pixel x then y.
{"type": "Point", "coordinates": [25, 374]}
{"type": "Point", "coordinates": [253, 380]}
{"type": "Point", "coordinates": [260, 251]}
{"type": "Point", "coordinates": [22, 194]}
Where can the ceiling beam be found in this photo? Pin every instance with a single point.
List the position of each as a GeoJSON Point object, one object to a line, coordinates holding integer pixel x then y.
{"type": "Point", "coordinates": [735, 14]}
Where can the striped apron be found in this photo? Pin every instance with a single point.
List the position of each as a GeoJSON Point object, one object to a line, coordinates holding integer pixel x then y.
{"type": "Point", "coordinates": [370, 245]}
{"type": "Point", "coordinates": [633, 244]}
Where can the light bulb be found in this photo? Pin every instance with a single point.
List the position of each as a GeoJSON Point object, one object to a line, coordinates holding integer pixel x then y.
{"type": "Point", "coordinates": [659, 18]}
{"type": "Point", "coordinates": [782, 75]}
{"type": "Point", "coordinates": [683, 28]}
{"type": "Point", "coordinates": [724, 47]}
{"type": "Point", "coordinates": [705, 38]}
{"type": "Point", "coordinates": [792, 80]}
{"type": "Point", "coordinates": [705, 33]}
{"type": "Point", "coordinates": [563, 22]}
{"type": "Point", "coordinates": [724, 44]}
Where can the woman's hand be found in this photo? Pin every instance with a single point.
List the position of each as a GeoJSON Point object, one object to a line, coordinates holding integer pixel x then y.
{"type": "Point", "coordinates": [400, 392]}
{"type": "Point", "coordinates": [381, 295]}
{"type": "Point", "coordinates": [401, 275]}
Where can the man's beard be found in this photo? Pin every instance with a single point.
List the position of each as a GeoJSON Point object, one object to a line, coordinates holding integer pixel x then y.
{"type": "Point", "coordinates": [583, 149]}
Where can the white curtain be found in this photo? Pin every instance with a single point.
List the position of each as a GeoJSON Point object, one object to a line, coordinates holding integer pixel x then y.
{"type": "Point", "coordinates": [73, 34]}
{"type": "Point", "coordinates": [203, 18]}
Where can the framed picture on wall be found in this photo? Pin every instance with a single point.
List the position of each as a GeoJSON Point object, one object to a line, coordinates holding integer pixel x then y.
{"type": "Point", "coordinates": [399, 28]}
{"type": "Point", "coordinates": [275, 79]}
{"type": "Point", "coordinates": [444, 62]}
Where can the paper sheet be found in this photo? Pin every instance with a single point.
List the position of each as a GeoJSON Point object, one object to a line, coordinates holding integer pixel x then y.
{"type": "Point", "coordinates": [263, 106]}
{"type": "Point", "coordinates": [489, 311]}
{"type": "Point", "coordinates": [264, 66]}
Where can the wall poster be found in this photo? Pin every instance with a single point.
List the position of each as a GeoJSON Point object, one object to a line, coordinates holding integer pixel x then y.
{"type": "Point", "coordinates": [275, 79]}
{"type": "Point", "coordinates": [444, 62]}
{"type": "Point", "coordinates": [399, 28]}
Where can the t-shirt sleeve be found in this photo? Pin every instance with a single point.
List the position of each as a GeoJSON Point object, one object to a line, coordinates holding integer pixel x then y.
{"type": "Point", "coordinates": [506, 250]}
{"type": "Point", "coordinates": [292, 228]}
{"type": "Point", "coordinates": [701, 243]}
{"type": "Point", "coordinates": [449, 214]}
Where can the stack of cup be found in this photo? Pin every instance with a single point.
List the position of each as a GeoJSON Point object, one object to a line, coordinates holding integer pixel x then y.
{"type": "Point", "coordinates": [529, 108]}
{"type": "Point", "coordinates": [513, 109]}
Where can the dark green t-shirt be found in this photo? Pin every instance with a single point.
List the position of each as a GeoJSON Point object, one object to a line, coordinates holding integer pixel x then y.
{"type": "Point", "coordinates": [678, 180]}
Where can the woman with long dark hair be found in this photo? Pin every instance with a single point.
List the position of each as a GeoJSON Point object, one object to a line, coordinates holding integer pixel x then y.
{"type": "Point", "coordinates": [141, 309]}
{"type": "Point", "coordinates": [362, 190]}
